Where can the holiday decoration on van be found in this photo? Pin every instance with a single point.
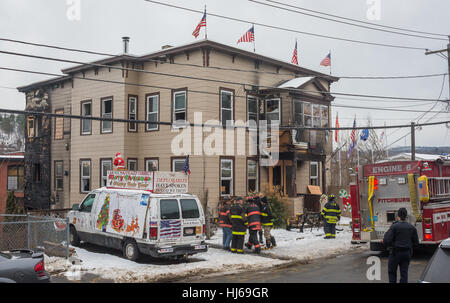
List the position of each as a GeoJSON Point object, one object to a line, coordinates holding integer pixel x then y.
{"type": "Point", "coordinates": [119, 163]}
{"type": "Point", "coordinates": [117, 221]}
{"type": "Point", "coordinates": [103, 216]}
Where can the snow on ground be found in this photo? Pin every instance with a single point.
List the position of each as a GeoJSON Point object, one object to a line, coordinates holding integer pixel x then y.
{"type": "Point", "coordinates": [291, 246]}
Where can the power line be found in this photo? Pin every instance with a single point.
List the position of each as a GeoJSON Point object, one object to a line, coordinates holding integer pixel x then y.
{"type": "Point", "coordinates": [339, 21]}
{"type": "Point", "coordinates": [200, 79]}
{"type": "Point", "coordinates": [388, 109]}
{"type": "Point", "coordinates": [289, 30]}
{"type": "Point", "coordinates": [359, 21]}
{"type": "Point", "coordinates": [217, 67]}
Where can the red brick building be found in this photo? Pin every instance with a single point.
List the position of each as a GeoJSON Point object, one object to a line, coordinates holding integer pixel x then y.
{"type": "Point", "coordinates": [11, 177]}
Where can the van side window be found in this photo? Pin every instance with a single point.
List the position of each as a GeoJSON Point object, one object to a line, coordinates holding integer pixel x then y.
{"type": "Point", "coordinates": [189, 208]}
{"type": "Point", "coordinates": [86, 206]}
{"type": "Point", "coordinates": [169, 209]}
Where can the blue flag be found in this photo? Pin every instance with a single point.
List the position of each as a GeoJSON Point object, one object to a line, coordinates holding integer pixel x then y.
{"type": "Point", "coordinates": [364, 134]}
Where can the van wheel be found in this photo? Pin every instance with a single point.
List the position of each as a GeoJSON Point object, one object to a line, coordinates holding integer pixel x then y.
{"type": "Point", "coordinates": [73, 236]}
{"type": "Point", "coordinates": [130, 250]}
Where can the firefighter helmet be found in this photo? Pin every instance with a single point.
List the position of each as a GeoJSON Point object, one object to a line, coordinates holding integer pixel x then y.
{"type": "Point", "coordinates": [331, 197]}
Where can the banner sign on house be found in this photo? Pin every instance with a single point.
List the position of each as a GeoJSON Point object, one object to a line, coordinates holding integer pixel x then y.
{"type": "Point", "coordinates": [140, 180]}
{"type": "Point", "coordinates": [156, 182]}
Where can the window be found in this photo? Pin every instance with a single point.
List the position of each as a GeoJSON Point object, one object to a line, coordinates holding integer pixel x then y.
{"type": "Point", "coordinates": [59, 125]}
{"type": "Point", "coordinates": [85, 176]}
{"type": "Point", "coordinates": [324, 115]}
{"type": "Point", "coordinates": [86, 206]}
{"type": "Point", "coordinates": [298, 112]}
{"type": "Point", "coordinates": [152, 112]}
{"type": "Point", "coordinates": [59, 185]}
{"type": "Point", "coordinates": [32, 127]}
{"type": "Point", "coordinates": [179, 106]}
{"type": "Point", "coordinates": [226, 177]}
{"type": "Point", "coordinates": [226, 106]}
{"type": "Point", "coordinates": [132, 113]}
{"type": "Point", "coordinates": [189, 209]}
{"type": "Point", "coordinates": [314, 173]}
{"type": "Point", "coordinates": [252, 108]}
{"type": "Point", "coordinates": [316, 115]}
{"type": "Point", "coordinates": [307, 114]}
{"type": "Point", "coordinates": [252, 176]}
{"type": "Point", "coordinates": [37, 173]}
{"type": "Point", "coordinates": [151, 165]}
{"type": "Point", "coordinates": [169, 209]}
{"type": "Point", "coordinates": [86, 111]}
{"type": "Point", "coordinates": [107, 113]}
{"type": "Point", "coordinates": [273, 113]}
{"type": "Point", "coordinates": [15, 178]}
{"type": "Point", "coordinates": [105, 165]}
{"type": "Point", "coordinates": [132, 164]}
{"type": "Point", "coordinates": [178, 165]}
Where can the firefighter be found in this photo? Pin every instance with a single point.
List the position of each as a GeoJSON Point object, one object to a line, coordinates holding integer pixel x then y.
{"type": "Point", "coordinates": [253, 215]}
{"type": "Point", "coordinates": [238, 226]}
{"type": "Point", "coordinates": [331, 214]}
{"type": "Point", "coordinates": [400, 238]}
{"type": "Point", "coordinates": [267, 223]}
{"type": "Point", "coordinates": [258, 197]}
{"type": "Point", "coordinates": [225, 223]}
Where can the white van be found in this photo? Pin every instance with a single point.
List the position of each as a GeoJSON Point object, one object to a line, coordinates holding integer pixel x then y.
{"type": "Point", "coordinates": [140, 222]}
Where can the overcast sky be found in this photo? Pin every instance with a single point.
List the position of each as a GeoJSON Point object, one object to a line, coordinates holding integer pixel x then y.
{"type": "Point", "coordinates": [103, 22]}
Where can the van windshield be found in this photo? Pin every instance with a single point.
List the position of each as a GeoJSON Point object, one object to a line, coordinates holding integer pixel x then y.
{"type": "Point", "coordinates": [169, 209]}
{"type": "Point", "coordinates": [189, 208]}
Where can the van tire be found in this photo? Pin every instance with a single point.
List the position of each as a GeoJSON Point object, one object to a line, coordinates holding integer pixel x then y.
{"type": "Point", "coordinates": [130, 250]}
{"type": "Point", "coordinates": [74, 239]}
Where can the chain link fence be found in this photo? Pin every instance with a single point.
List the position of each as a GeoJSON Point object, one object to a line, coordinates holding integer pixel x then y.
{"type": "Point", "coordinates": [48, 234]}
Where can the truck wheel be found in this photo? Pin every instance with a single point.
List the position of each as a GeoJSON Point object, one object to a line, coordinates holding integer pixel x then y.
{"type": "Point", "coordinates": [130, 250]}
{"type": "Point", "coordinates": [73, 236]}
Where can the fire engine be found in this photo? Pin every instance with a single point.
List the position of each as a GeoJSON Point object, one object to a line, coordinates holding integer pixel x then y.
{"type": "Point", "coordinates": [379, 190]}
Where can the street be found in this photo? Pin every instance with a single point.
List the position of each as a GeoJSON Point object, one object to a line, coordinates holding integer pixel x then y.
{"type": "Point", "coordinates": [349, 268]}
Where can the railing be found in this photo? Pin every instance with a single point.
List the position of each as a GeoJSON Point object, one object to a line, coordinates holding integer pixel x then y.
{"type": "Point", "coordinates": [439, 187]}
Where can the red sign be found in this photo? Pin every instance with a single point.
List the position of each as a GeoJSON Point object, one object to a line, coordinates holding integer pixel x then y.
{"type": "Point", "coordinates": [391, 168]}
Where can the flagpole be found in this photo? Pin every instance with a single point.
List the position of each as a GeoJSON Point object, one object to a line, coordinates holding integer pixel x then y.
{"type": "Point", "coordinates": [206, 25]}
{"type": "Point", "coordinates": [330, 62]}
{"type": "Point", "coordinates": [254, 43]}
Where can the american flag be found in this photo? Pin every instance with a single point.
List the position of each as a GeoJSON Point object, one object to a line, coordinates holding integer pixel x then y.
{"type": "Point", "coordinates": [352, 138]}
{"type": "Point", "coordinates": [294, 59]}
{"type": "Point", "coordinates": [170, 229]}
{"type": "Point", "coordinates": [249, 36]}
{"type": "Point", "coordinates": [196, 32]}
{"type": "Point", "coordinates": [186, 166]}
{"type": "Point", "coordinates": [327, 60]}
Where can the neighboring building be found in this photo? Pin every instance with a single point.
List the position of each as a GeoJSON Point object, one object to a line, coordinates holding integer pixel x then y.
{"type": "Point", "coordinates": [81, 151]}
{"type": "Point", "coordinates": [11, 178]}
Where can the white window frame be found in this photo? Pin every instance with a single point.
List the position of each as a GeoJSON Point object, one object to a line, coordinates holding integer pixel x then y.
{"type": "Point", "coordinates": [83, 177]}
{"type": "Point", "coordinates": [174, 161]}
{"type": "Point", "coordinates": [57, 163]}
{"type": "Point", "coordinates": [176, 123]}
{"type": "Point", "coordinates": [279, 110]}
{"type": "Point", "coordinates": [231, 109]}
{"type": "Point", "coordinates": [106, 115]}
{"type": "Point", "coordinates": [316, 177]}
{"type": "Point", "coordinates": [153, 98]}
{"type": "Point", "coordinates": [226, 178]}
{"type": "Point", "coordinates": [307, 104]}
{"type": "Point", "coordinates": [132, 161]}
{"type": "Point", "coordinates": [132, 115]}
{"type": "Point", "coordinates": [104, 174]}
{"type": "Point", "coordinates": [248, 108]}
{"type": "Point", "coordinates": [88, 121]}
{"type": "Point", "coordinates": [151, 161]}
{"type": "Point", "coordinates": [322, 119]}
{"type": "Point", "coordinates": [302, 104]}
{"type": "Point", "coordinates": [252, 178]}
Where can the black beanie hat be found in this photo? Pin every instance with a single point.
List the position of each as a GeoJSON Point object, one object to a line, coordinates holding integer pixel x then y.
{"type": "Point", "coordinates": [402, 213]}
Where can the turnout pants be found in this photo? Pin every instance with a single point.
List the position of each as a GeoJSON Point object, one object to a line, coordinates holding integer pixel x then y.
{"type": "Point", "coordinates": [399, 258]}
{"type": "Point", "coordinates": [237, 243]}
{"type": "Point", "coordinates": [330, 230]}
{"type": "Point", "coordinates": [253, 240]}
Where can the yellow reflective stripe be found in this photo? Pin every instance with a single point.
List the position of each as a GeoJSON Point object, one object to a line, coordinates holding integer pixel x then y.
{"type": "Point", "coordinates": [331, 210]}
{"type": "Point", "coordinates": [267, 224]}
{"type": "Point", "coordinates": [240, 250]}
{"type": "Point", "coordinates": [239, 233]}
{"type": "Point", "coordinates": [233, 249]}
{"type": "Point", "coordinates": [264, 214]}
{"type": "Point", "coordinates": [236, 217]}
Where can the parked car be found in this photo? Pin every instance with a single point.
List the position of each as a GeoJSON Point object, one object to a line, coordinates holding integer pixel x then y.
{"type": "Point", "coordinates": [437, 268]}
{"type": "Point", "coordinates": [22, 266]}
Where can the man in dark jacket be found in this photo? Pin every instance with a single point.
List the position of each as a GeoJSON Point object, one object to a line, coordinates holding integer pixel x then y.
{"type": "Point", "coordinates": [225, 223]}
{"type": "Point", "coordinates": [238, 226]}
{"type": "Point", "coordinates": [400, 238]}
{"type": "Point", "coordinates": [253, 215]}
{"type": "Point", "coordinates": [331, 213]}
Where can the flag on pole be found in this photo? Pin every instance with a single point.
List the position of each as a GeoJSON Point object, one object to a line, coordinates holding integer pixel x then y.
{"type": "Point", "coordinates": [364, 134]}
{"type": "Point", "coordinates": [352, 138]}
{"type": "Point", "coordinates": [294, 59]}
{"type": "Point", "coordinates": [249, 36]}
{"type": "Point", "coordinates": [327, 60]}
{"type": "Point", "coordinates": [337, 130]}
{"type": "Point", "coordinates": [202, 23]}
{"type": "Point", "coordinates": [186, 166]}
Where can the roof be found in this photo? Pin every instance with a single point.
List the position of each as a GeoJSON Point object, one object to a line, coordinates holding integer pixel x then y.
{"type": "Point", "coordinates": [407, 156]}
{"type": "Point", "coordinates": [296, 82]}
{"type": "Point", "coordinates": [12, 157]}
{"type": "Point", "coordinates": [205, 43]}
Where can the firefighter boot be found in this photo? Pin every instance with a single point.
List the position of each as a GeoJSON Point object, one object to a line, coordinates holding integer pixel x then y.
{"type": "Point", "coordinates": [248, 245]}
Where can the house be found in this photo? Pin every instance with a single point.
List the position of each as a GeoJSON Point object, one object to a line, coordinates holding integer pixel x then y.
{"type": "Point", "coordinates": [214, 82]}
{"type": "Point", "coordinates": [11, 178]}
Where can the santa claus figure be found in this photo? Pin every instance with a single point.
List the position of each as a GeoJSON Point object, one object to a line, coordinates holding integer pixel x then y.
{"type": "Point", "coordinates": [119, 164]}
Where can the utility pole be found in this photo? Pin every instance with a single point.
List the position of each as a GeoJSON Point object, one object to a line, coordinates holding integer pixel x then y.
{"type": "Point", "coordinates": [448, 58]}
{"type": "Point", "coordinates": [413, 142]}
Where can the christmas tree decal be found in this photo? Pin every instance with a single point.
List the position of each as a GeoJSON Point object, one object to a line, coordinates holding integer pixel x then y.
{"type": "Point", "coordinates": [103, 216]}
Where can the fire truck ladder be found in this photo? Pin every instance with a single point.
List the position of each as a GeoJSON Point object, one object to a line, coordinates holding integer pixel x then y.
{"type": "Point", "coordinates": [439, 187]}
